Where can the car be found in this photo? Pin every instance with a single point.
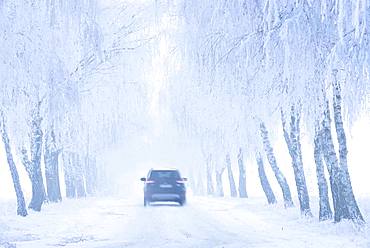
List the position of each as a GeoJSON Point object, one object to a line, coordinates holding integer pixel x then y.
{"type": "Point", "coordinates": [164, 185]}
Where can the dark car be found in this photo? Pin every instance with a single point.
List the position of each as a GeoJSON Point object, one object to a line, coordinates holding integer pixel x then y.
{"type": "Point", "coordinates": [164, 185]}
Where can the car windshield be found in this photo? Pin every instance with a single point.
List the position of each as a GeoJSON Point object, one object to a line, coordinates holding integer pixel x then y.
{"type": "Point", "coordinates": [162, 174]}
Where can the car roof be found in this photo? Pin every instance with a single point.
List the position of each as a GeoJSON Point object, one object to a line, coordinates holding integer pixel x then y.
{"type": "Point", "coordinates": [164, 169]}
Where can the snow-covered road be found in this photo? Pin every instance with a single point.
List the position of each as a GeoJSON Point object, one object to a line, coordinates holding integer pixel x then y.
{"type": "Point", "coordinates": [203, 222]}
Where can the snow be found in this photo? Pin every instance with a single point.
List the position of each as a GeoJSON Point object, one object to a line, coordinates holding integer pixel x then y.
{"type": "Point", "coordinates": [203, 222]}
{"type": "Point", "coordinates": [134, 84]}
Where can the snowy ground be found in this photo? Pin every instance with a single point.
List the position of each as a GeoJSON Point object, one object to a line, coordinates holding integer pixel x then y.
{"type": "Point", "coordinates": [203, 222]}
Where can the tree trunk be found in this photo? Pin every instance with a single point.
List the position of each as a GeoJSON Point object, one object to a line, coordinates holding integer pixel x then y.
{"type": "Point", "coordinates": [325, 209]}
{"type": "Point", "coordinates": [353, 209]}
{"type": "Point", "coordinates": [33, 166]}
{"type": "Point", "coordinates": [294, 147]}
{"type": "Point", "coordinates": [233, 191]}
{"type": "Point", "coordinates": [331, 161]}
{"type": "Point", "coordinates": [210, 188]}
{"type": "Point", "coordinates": [51, 168]}
{"type": "Point", "coordinates": [68, 175]}
{"type": "Point", "coordinates": [272, 161]}
{"type": "Point", "coordinates": [38, 189]}
{"type": "Point", "coordinates": [220, 187]}
{"type": "Point", "coordinates": [21, 204]}
{"type": "Point", "coordinates": [242, 176]}
{"type": "Point", "coordinates": [200, 185]}
{"type": "Point", "coordinates": [91, 176]}
{"type": "Point", "coordinates": [79, 176]}
{"type": "Point", "coordinates": [264, 181]}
